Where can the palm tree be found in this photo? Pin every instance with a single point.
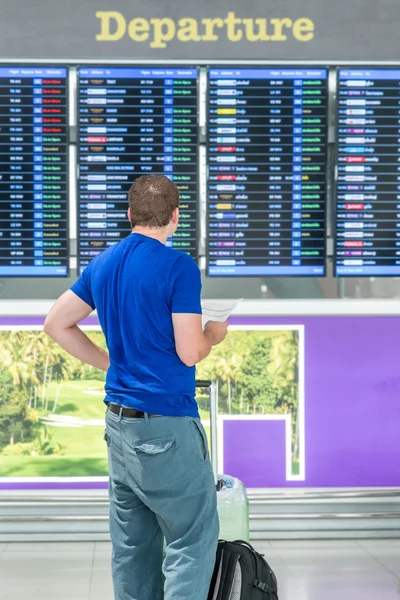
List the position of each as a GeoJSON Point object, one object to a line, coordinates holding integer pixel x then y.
{"type": "Point", "coordinates": [62, 371]}
{"type": "Point", "coordinates": [228, 370]}
{"type": "Point", "coordinates": [37, 342]}
{"type": "Point", "coordinates": [48, 355]}
{"type": "Point", "coordinates": [15, 355]}
{"type": "Point", "coordinates": [284, 371]}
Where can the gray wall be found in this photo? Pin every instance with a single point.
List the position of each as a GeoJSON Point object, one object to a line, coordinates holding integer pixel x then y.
{"type": "Point", "coordinates": [328, 30]}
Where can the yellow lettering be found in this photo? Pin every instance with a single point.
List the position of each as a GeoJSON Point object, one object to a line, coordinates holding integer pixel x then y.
{"type": "Point", "coordinates": [188, 30]}
{"type": "Point", "coordinates": [303, 30]}
{"type": "Point", "coordinates": [106, 17]}
{"type": "Point", "coordinates": [164, 31]}
{"type": "Point", "coordinates": [210, 24]}
{"type": "Point", "coordinates": [262, 35]}
{"type": "Point", "coordinates": [231, 33]}
{"type": "Point", "coordinates": [160, 31]}
{"type": "Point", "coordinates": [138, 29]}
{"type": "Point", "coordinates": [279, 24]}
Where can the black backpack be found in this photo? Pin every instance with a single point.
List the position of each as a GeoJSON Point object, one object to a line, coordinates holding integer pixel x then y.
{"type": "Point", "coordinates": [241, 573]}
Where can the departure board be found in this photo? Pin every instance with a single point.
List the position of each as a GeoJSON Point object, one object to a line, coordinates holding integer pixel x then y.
{"type": "Point", "coordinates": [368, 173]}
{"type": "Point", "coordinates": [266, 171]}
{"type": "Point", "coordinates": [133, 122]}
{"type": "Point", "coordinates": [33, 171]}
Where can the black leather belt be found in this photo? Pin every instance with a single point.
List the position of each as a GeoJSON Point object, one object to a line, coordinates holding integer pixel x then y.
{"type": "Point", "coordinates": [131, 413]}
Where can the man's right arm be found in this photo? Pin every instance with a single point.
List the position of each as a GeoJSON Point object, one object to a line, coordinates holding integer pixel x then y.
{"type": "Point", "coordinates": [191, 342]}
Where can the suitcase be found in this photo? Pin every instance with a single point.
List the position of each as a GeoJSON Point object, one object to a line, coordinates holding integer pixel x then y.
{"type": "Point", "coordinates": [233, 509]}
{"type": "Point", "coordinates": [233, 505]}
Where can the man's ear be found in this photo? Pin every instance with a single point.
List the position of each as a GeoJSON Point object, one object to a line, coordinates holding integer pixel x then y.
{"type": "Point", "coordinates": [175, 216]}
{"type": "Point", "coordinates": [129, 215]}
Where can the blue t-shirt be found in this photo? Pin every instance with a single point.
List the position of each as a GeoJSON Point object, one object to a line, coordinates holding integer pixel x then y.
{"type": "Point", "coordinates": [135, 286]}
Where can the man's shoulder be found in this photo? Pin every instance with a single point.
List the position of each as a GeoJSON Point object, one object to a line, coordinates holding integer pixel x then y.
{"type": "Point", "coordinates": [98, 261]}
{"type": "Point", "coordinates": [182, 259]}
{"type": "Point", "coordinates": [101, 264]}
{"type": "Point", "coordinates": [169, 259]}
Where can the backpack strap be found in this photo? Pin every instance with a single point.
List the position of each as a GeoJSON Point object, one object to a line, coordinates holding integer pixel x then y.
{"type": "Point", "coordinates": [247, 545]}
{"type": "Point", "coordinates": [260, 585]}
{"type": "Point", "coordinates": [216, 578]}
{"type": "Point", "coordinates": [264, 587]}
{"type": "Point", "coordinates": [229, 562]}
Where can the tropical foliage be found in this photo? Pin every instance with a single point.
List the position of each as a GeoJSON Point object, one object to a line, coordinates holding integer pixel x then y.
{"type": "Point", "coordinates": [256, 372]}
{"type": "Point", "coordinates": [29, 363]}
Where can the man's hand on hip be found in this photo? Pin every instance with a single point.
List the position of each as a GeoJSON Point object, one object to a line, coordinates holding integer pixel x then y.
{"type": "Point", "coordinates": [61, 326]}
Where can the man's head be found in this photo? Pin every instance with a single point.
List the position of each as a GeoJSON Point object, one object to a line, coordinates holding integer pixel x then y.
{"type": "Point", "coordinates": [154, 203]}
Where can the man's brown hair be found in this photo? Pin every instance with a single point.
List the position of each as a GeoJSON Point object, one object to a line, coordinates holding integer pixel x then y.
{"type": "Point", "coordinates": [152, 200]}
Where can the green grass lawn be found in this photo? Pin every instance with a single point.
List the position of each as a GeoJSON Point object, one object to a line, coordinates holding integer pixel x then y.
{"type": "Point", "coordinates": [53, 466]}
{"type": "Point", "coordinates": [295, 468]}
{"type": "Point", "coordinates": [80, 441]}
{"type": "Point", "coordinates": [73, 401]}
{"type": "Point", "coordinates": [84, 451]}
{"type": "Point", "coordinates": [84, 455]}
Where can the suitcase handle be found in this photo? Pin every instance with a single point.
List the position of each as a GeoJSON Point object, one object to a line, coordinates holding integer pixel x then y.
{"type": "Point", "coordinates": [212, 387]}
{"type": "Point", "coordinates": [203, 383]}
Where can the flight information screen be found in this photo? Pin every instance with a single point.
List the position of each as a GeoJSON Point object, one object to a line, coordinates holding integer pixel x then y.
{"type": "Point", "coordinates": [133, 122]}
{"type": "Point", "coordinates": [368, 173]}
{"type": "Point", "coordinates": [33, 171]}
{"type": "Point", "coordinates": [266, 171]}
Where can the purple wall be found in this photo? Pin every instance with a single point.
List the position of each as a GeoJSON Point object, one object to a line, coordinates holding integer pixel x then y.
{"type": "Point", "coordinates": [352, 406]}
{"type": "Point", "coordinates": [352, 400]}
{"type": "Point", "coordinates": [255, 452]}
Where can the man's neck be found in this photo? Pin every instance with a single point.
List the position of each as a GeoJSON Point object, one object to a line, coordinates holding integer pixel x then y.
{"type": "Point", "coordinates": [159, 234]}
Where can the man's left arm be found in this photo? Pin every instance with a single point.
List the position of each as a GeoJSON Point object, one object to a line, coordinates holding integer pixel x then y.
{"type": "Point", "coordinates": [61, 324]}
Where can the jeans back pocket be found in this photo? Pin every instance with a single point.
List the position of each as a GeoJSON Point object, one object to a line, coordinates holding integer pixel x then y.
{"type": "Point", "coordinates": [155, 446]}
{"type": "Point", "coordinates": [199, 439]}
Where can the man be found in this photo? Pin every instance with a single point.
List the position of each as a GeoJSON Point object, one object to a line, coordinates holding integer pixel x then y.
{"type": "Point", "coordinates": [147, 298]}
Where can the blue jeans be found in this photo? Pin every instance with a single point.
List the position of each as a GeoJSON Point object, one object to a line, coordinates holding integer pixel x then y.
{"type": "Point", "coordinates": [161, 487]}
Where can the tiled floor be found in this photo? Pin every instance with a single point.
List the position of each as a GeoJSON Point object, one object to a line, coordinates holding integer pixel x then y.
{"type": "Point", "coordinates": [331, 570]}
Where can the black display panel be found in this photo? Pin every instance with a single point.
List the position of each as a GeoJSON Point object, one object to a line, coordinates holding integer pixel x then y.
{"type": "Point", "coordinates": [33, 171]}
{"type": "Point", "coordinates": [267, 132]}
{"type": "Point", "coordinates": [132, 122]}
{"type": "Point", "coordinates": [368, 173]}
